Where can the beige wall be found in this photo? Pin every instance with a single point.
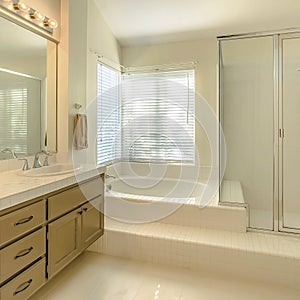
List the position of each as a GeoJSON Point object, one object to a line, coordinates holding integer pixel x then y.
{"type": "Point", "coordinates": [205, 52]}
{"type": "Point", "coordinates": [100, 39]}
{"type": "Point", "coordinates": [77, 58]}
{"type": "Point", "coordinates": [90, 33]}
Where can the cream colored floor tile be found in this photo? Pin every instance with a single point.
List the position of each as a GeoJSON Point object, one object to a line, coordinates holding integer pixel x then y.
{"type": "Point", "coordinates": [158, 288]}
{"type": "Point", "coordinates": [98, 277]}
{"type": "Point", "coordinates": [228, 288]}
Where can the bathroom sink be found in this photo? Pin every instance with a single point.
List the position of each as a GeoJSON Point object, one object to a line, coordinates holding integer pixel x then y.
{"type": "Point", "coordinates": [53, 170]}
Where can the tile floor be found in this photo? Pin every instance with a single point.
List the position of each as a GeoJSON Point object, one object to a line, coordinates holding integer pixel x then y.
{"type": "Point", "coordinates": [98, 277]}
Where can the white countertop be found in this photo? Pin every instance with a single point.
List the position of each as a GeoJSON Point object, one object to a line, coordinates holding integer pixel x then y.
{"type": "Point", "coordinates": [16, 189]}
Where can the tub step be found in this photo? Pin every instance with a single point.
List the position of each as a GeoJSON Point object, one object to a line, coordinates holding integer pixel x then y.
{"type": "Point", "coordinates": [265, 257]}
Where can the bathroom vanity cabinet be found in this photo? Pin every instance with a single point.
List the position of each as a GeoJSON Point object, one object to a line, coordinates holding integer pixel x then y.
{"type": "Point", "coordinates": [75, 225]}
{"type": "Point", "coordinates": [42, 236]}
{"type": "Point", "coordinates": [23, 251]}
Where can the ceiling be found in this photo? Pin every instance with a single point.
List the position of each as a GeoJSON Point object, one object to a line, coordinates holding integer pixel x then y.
{"type": "Point", "coordinates": [159, 21]}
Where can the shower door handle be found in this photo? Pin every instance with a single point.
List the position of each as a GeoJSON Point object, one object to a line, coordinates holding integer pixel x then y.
{"type": "Point", "coordinates": [281, 133]}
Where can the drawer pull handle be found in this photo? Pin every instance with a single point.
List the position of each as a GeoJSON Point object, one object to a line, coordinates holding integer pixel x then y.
{"type": "Point", "coordinates": [85, 209]}
{"type": "Point", "coordinates": [23, 221]}
{"type": "Point", "coordinates": [24, 286]}
{"type": "Point", "coordinates": [23, 252]}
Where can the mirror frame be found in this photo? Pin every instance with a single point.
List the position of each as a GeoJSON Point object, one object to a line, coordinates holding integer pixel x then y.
{"type": "Point", "coordinates": [27, 25]}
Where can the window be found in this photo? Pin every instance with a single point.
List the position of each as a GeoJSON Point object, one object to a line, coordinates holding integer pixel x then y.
{"type": "Point", "coordinates": [20, 117]}
{"type": "Point", "coordinates": [158, 122]}
{"type": "Point", "coordinates": [150, 119]}
{"type": "Point", "coordinates": [108, 115]}
{"type": "Point", "coordinates": [13, 119]}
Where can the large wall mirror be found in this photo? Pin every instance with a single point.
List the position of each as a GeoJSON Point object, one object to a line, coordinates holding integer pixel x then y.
{"type": "Point", "coordinates": [27, 91]}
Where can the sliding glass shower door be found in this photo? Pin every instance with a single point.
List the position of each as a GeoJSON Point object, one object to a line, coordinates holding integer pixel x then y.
{"type": "Point", "coordinates": [260, 115]}
{"type": "Point", "coordinates": [247, 117]}
{"type": "Point", "coordinates": [290, 133]}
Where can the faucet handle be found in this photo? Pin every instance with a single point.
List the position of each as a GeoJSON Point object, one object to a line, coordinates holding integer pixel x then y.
{"type": "Point", "coordinates": [11, 151]}
{"type": "Point", "coordinates": [46, 161]}
{"type": "Point", "coordinates": [36, 161]}
{"type": "Point", "coordinates": [26, 164]}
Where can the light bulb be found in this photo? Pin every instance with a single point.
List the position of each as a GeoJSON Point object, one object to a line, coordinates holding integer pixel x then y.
{"type": "Point", "coordinates": [38, 16]}
{"type": "Point", "coordinates": [22, 6]}
{"type": "Point", "coordinates": [27, 17]}
{"type": "Point", "coordinates": [52, 23]}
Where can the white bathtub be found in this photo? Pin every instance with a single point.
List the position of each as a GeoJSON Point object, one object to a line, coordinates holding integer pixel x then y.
{"type": "Point", "coordinates": [151, 189]}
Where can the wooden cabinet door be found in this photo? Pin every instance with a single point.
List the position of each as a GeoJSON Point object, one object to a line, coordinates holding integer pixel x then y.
{"type": "Point", "coordinates": [64, 241]}
{"type": "Point", "coordinates": [92, 225]}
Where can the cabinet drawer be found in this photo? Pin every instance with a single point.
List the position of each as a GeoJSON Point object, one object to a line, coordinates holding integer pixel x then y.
{"type": "Point", "coordinates": [22, 221]}
{"type": "Point", "coordinates": [65, 201]}
{"type": "Point", "coordinates": [22, 253]}
{"type": "Point", "coordinates": [26, 284]}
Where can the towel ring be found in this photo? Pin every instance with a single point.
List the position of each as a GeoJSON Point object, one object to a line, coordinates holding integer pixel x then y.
{"type": "Point", "coordinates": [77, 106]}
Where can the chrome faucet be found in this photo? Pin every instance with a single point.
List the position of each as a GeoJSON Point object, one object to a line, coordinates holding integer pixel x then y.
{"type": "Point", "coordinates": [11, 151]}
{"type": "Point", "coordinates": [37, 163]}
{"type": "Point", "coordinates": [26, 164]}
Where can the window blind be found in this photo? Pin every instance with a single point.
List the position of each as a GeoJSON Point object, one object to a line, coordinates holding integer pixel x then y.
{"type": "Point", "coordinates": [158, 122]}
{"type": "Point", "coordinates": [13, 119]}
{"type": "Point", "coordinates": [108, 115]}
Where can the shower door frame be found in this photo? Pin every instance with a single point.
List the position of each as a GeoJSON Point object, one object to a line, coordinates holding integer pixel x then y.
{"type": "Point", "coordinates": [278, 131]}
{"type": "Point", "coordinates": [281, 38]}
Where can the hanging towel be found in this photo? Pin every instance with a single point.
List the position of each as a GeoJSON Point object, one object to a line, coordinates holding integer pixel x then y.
{"type": "Point", "coordinates": [80, 132]}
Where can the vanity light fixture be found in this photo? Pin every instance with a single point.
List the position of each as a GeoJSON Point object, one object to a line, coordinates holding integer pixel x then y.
{"type": "Point", "coordinates": [30, 14]}
{"type": "Point", "coordinates": [20, 5]}
{"type": "Point", "coordinates": [36, 15]}
{"type": "Point", "coordinates": [51, 23]}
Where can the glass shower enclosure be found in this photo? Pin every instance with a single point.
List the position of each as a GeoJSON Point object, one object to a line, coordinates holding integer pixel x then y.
{"type": "Point", "coordinates": [260, 115]}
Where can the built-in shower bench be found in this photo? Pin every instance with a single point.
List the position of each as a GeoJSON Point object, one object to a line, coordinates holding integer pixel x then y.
{"type": "Point", "coordinates": [232, 192]}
